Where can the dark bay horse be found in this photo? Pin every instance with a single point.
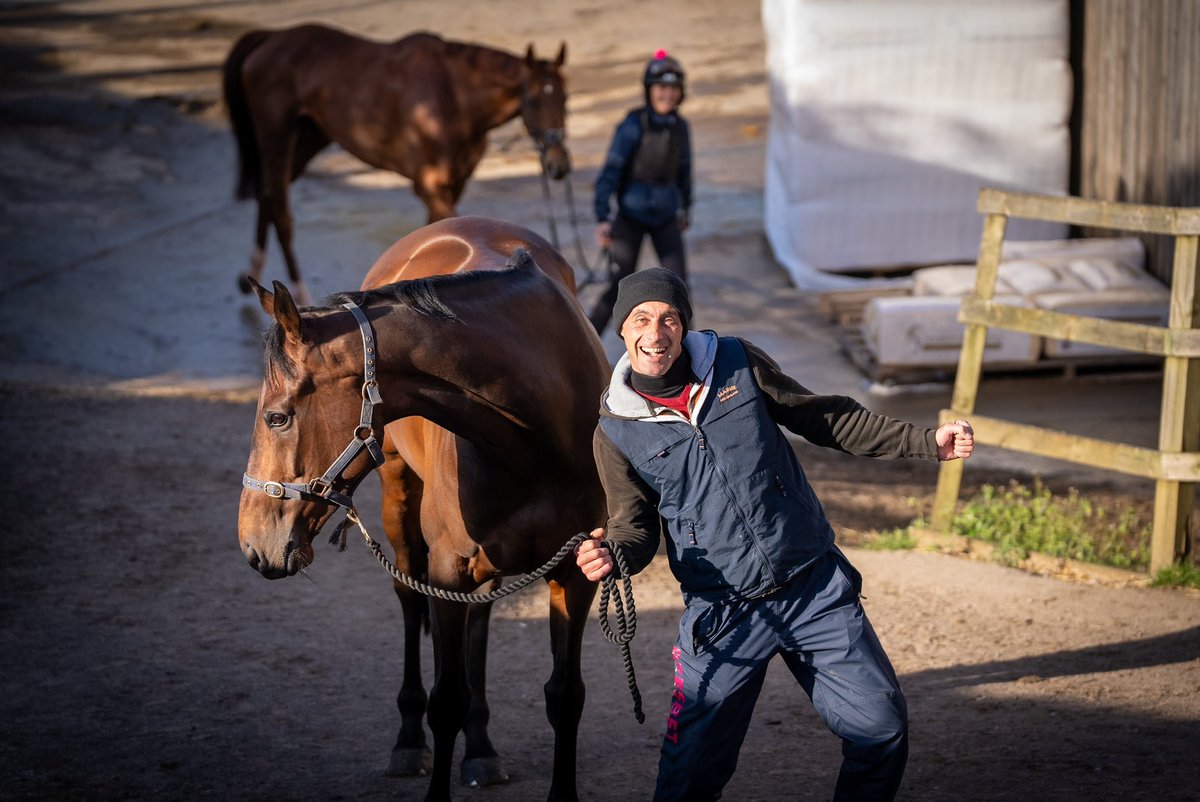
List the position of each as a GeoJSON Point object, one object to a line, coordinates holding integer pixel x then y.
{"type": "Point", "coordinates": [487, 376]}
{"type": "Point", "coordinates": [420, 106]}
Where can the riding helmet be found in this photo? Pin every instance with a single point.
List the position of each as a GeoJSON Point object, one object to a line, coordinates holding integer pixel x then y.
{"type": "Point", "coordinates": [663, 69]}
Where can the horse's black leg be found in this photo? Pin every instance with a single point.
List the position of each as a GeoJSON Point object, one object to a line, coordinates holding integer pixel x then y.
{"type": "Point", "coordinates": [481, 765]}
{"type": "Point", "coordinates": [258, 257]}
{"type": "Point", "coordinates": [279, 150]}
{"type": "Point", "coordinates": [571, 595]}
{"type": "Point", "coordinates": [401, 521]}
{"type": "Point", "coordinates": [411, 755]}
{"type": "Point", "coordinates": [449, 699]}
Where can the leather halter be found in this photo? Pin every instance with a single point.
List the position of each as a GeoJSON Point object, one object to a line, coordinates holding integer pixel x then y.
{"type": "Point", "coordinates": [321, 488]}
{"type": "Point", "coordinates": [543, 139]}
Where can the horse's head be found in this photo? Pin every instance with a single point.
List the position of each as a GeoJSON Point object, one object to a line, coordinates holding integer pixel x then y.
{"type": "Point", "coordinates": [544, 110]}
{"type": "Point", "coordinates": [314, 402]}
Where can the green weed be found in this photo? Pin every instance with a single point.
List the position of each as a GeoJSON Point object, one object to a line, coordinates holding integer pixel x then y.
{"type": "Point", "coordinates": [892, 540]}
{"type": "Point", "coordinates": [1182, 575]}
{"type": "Point", "coordinates": [1018, 520]}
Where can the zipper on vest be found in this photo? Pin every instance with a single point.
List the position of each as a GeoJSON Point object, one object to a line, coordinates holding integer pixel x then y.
{"type": "Point", "coordinates": [779, 483]}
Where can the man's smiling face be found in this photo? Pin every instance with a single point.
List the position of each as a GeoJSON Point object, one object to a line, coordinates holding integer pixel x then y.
{"type": "Point", "coordinates": [653, 335]}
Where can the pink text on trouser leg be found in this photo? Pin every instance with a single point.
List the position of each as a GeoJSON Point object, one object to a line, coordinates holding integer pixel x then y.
{"type": "Point", "coordinates": [677, 698]}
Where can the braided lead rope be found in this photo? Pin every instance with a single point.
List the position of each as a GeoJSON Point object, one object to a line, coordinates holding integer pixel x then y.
{"type": "Point", "coordinates": [626, 627]}
{"type": "Point", "coordinates": [549, 206]}
{"type": "Point", "coordinates": [572, 218]}
{"type": "Point", "coordinates": [453, 595]}
{"type": "Point", "coordinates": [574, 221]}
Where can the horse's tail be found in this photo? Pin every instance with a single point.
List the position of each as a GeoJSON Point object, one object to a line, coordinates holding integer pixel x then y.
{"type": "Point", "coordinates": [239, 113]}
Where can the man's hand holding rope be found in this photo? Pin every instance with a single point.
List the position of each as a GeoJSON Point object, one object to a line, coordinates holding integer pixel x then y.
{"type": "Point", "coordinates": [594, 557]}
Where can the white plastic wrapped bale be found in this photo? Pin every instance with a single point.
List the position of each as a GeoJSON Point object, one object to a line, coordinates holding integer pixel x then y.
{"type": "Point", "coordinates": [1101, 277]}
{"type": "Point", "coordinates": [924, 332]}
{"type": "Point", "coordinates": [1114, 291]}
{"type": "Point", "coordinates": [887, 118]}
{"type": "Point", "coordinates": [1029, 268]}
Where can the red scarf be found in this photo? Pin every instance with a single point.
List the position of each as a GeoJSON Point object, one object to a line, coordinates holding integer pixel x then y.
{"type": "Point", "coordinates": [679, 403]}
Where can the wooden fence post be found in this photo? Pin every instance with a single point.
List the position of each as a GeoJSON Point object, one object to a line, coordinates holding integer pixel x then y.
{"type": "Point", "coordinates": [970, 367]}
{"type": "Point", "coordinates": [1180, 428]}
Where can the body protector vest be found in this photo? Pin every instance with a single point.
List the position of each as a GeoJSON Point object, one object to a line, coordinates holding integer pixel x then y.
{"type": "Point", "coordinates": [656, 160]}
{"type": "Point", "coordinates": [740, 517]}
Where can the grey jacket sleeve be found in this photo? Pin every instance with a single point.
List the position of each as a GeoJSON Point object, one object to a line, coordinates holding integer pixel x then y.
{"type": "Point", "coordinates": [836, 421]}
{"type": "Point", "coordinates": [633, 520]}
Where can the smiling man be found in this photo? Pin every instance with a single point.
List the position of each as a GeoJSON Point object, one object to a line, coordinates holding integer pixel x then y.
{"type": "Point", "coordinates": [689, 446]}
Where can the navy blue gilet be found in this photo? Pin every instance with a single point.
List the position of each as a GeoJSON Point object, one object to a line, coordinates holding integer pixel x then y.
{"type": "Point", "coordinates": [741, 517]}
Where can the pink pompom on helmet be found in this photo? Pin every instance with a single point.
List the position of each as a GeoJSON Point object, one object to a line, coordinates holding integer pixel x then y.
{"type": "Point", "coordinates": [663, 69]}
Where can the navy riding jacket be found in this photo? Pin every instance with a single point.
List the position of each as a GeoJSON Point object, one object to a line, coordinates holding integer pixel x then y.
{"type": "Point", "coordinates": [652, 200]}
{"type": "Point", "coordinates": [739, 515]}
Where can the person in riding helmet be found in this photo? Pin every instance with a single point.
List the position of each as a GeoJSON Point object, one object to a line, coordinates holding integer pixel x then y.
{"type": "Point", "coordinates": [649, 170]}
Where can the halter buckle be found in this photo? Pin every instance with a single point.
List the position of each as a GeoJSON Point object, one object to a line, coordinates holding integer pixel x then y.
{"type": "Point", "coordinates": [320, 486]}
{"type": "Point", "coordinates": [273, 489]}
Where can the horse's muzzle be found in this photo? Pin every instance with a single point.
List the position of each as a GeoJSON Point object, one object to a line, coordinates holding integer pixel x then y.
{"type": "Point", "coordinates": [292, 562]}
{"type": "Point", "coordinates": [558, 162]}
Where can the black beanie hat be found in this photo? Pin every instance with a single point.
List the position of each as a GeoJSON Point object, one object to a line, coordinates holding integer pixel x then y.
{"type": "Point", "coordinates": [655, 284]}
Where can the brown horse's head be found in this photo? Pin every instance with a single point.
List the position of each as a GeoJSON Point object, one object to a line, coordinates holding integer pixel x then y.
{"type": "Point", "coordinates": [308, 412]}
{"type": "Point", "coordinates": [544, 110]}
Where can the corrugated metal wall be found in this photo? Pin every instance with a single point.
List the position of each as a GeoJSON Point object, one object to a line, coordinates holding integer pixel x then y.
{"type": "Point", "coordinates": [1140, 111]}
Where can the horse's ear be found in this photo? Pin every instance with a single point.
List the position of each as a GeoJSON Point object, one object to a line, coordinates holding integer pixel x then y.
{"type": "Point", "coordinates": [529, 59]}
{"type": "Point", "coordinates": [265, 298]}
{"type": "Point", "coordinates": [284, 310]}
{"type": "Point", "coordinates": [562, 55]}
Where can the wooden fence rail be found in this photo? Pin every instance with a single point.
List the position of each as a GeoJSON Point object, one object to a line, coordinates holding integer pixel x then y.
{"type": "Point", "coordinates": [1175, 464]}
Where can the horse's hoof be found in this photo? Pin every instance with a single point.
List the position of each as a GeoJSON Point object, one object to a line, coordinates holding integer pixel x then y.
{"type": "Point", "coordinates": [480, 771]}
{"type": "Point", "coordinates": [410, 762]}
{"type": "Point", "coordinates": [244, 284]}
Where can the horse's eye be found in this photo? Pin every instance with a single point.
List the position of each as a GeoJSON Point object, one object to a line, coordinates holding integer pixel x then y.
{"type": "Point", "coordinates": [275, 419]}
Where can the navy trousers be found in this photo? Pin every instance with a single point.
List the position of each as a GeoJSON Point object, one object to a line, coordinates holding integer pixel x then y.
{"type": "Point", "coordinates": [627, 236]}
{"type": "Point", "coordinates": [817, 624]}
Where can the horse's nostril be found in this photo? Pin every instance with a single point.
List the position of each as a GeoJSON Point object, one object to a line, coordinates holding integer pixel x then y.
{"type": "Point", "coordinates": [252, 557]}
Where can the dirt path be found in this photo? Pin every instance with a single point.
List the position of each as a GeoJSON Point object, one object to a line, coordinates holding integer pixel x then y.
{"type": "Point", "coordinates": [141, 658]}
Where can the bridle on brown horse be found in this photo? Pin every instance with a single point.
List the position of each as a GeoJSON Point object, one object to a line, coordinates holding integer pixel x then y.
{"type": "Point", "coordinates": [544, 140]}
{"type": "Point", "coordinates": [321, 488]}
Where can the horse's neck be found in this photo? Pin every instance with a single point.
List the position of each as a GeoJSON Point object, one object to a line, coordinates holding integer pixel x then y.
{"type": "Point", "coordinates": [435, 373]}
{"type": "Point", "coordinates": [490, 85]}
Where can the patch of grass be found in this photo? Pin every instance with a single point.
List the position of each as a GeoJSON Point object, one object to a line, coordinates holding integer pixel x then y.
{"type": "Point", "coordinates": [892, 540]}
{"type": "Point", "coordinates": [1018, 520]}
{"type": "Point", "coordinates": [1178, 576]}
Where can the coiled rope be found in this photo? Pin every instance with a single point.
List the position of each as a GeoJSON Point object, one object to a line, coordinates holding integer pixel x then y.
{"type": "Point", "coordinates": [620, 599]}
{"type": "Point", "coordinates": [626, 627]}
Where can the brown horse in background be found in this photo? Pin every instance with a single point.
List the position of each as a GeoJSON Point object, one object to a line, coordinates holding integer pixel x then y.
{"type": "Point", "coordinates": [420, 106]}
{"type": "Point", "coordinates": [488, 387]}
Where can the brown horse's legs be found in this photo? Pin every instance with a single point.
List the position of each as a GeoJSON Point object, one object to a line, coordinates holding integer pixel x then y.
{"type": "Point", "coordinates": [571, 595]}
{"type": "Point", "coordinates": [258, 256]}
{"type": "Point", "coordinates": [284, 232]}
{"type": "Point", "coordinates": [481, 765]}
{"type": "Point", "coordinates": [401, 501]}
{"type": "Point", "coordinates": [278, 152]}
{"type": "Point", "coordinates": [433, 186]}
{"type": "Point", "coordinates": [449, 700]}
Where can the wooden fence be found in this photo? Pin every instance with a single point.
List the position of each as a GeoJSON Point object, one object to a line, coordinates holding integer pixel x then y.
{"type": "Point", "coordinates": [1175, 464]}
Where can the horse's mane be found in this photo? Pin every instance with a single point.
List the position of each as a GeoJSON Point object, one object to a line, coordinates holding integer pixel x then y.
{"type": "Point", "coordinates": [422, 295]}
{"type": "Point", "coordinates": [484, 59]}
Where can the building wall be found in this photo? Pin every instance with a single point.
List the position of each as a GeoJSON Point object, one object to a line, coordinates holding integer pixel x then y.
{"type": "Point", "coordinates": [1140, 111]}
